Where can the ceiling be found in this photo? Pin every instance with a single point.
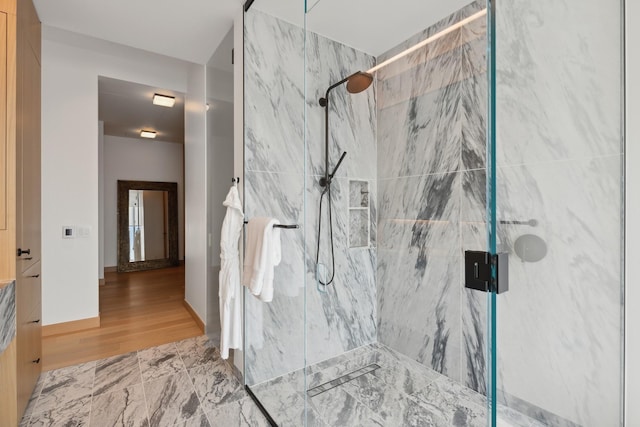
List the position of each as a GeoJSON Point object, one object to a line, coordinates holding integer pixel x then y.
{"type": "Point", "coordinates": [370, 26]}
{"type": "Point", "coordinates": [191, 30]}
{"type": "Point", "coordinates": [188, 30]}
{"type": "Point", "coordinates": [126, 109]}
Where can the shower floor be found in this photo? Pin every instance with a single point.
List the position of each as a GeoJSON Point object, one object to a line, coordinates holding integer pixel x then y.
{"type": "Point", "coordinates": [377, 386]}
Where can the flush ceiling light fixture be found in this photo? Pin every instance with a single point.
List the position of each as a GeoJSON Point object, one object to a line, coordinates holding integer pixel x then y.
{"type": "Point", "coordinates": [164, 100]}
{"type": "Point", "coordinates": [431, 39]}
{"type": "Point", "coordinates": [147, 134]}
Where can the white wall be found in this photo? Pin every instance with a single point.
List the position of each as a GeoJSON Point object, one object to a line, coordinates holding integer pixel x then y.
{"type": "Point", "coordinates": [632, 269]}
{"type": "Point", "coordinates": [220, 166]}
{"type": "Point", "coordinates": [133, 159]}
{"type": "Point", "coordinates": [196, 192]}
{"type": "Point", "coordinates": [100, 199]}
{"type": "Point", "coordinates": [71, 65]}
{"type": "Point", "coordinates": [238, 135]}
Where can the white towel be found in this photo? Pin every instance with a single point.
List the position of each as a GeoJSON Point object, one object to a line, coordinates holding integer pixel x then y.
{"type": "Point", "coordinates": [230, 296]}
{"type": "Point", "coordinates": [263, 253]}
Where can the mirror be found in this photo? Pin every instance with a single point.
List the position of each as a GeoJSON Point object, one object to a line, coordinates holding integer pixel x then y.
{"type": "Point", "coordinates": [147, 225]}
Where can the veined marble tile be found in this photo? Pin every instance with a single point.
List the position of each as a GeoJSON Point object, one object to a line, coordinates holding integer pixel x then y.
{"type": "Point", "coordinates": [8, 313]}
{"type": "Point", "coordinates": [455, 403]}
{"type": "Point", "coordinates": [35, 395]}
{"type": "Point", "coordinates": [558, 82]}
{"type": "Point", "coordinates": [286, 404]}
{"type": "Point", "coordinates": [419, 270]}
{"type": "Point", "coordinates": [73, 413]}
{"type": "Point", "coordinates": [455, 17]}
{"type": "Point", "coordinates": [197, 351]}
{"type": "Point", "coordinates": [216, 384]}
{"type": "Point", "coordinates": [123, 407]}
{"type": "Point", "coordinates": [338, 408]}
{"type": "Point", "coordinates": [243, 413]}
{"type": "Point", "coordinates": [160, 361]}
{"type": "Point", "coordinates": [341, 316]}
{"type": "Point", "coordinates": [568, 304]}
{"type": "Point", "coordinates": [172, 400]}
{"type": "Point", "coordinates": [200, 419]}
{"type": "Point", "coordinates": [117, 373]}
{"type": "Point", "coordinates": [65, 385]}
{"type": "Point", "coordinates": [274, 94]}
{"type": "Point", "coordinates": [473, 117]}
{"type": "Point", "coordinates": [422, 135]}
{"type": "Point", "coordinates": [474, 304]}
{"type": "Point", "coordinates": [395, 407]}
{"type": "Point", "coordinates": [403, 373]}
{"type": "Point", "coordinates": [352, 117]}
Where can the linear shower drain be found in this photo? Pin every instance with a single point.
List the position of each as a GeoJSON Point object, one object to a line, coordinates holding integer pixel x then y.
{"type": "Point", "coordinates": [341, 380]}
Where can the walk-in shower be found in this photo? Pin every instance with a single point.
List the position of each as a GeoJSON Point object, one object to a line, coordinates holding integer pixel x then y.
{"type": "Point", "coordinates": [470, 119]}
{"type": "Point", "coordinates": [356, 83]}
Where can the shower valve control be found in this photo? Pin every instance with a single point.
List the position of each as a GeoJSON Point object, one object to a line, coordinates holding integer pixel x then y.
{"type": "Point", "coordinates": [486, 272]}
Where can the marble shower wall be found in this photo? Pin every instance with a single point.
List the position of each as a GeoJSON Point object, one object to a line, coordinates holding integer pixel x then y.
{"type": "Point", "coordinates": [559, 157]}
{"type": "Point", "coordinates": [280, 176]}
{"type": "Point", "coordinates": [431, 187]}
{"type": "Point", "coordinates": [7, 314]}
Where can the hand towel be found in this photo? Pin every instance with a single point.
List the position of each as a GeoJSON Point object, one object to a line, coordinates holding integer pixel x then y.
{"type": "Point", "coordinates": [263, 253]}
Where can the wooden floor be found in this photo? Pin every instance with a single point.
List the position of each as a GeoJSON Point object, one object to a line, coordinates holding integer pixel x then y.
{"type": "Point", "coordinates": [137, 310]}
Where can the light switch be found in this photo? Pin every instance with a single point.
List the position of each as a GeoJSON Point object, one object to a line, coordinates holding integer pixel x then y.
{"type": "Point", "coordinates": [68, 232]}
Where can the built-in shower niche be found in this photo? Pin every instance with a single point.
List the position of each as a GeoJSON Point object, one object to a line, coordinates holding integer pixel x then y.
{"type": "Point", "coordinates": [359, 224]}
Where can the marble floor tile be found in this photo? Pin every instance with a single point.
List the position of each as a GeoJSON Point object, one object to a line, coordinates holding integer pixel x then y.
{"type": "Point", "coordinates": [393, 406]}
{"type": "Point", "coordinates": [65, 385]}
{"type": "Point", "coordinates": [124, 407]}
{"type": "Point", "coordinates": [198, 420]}
{"type": "Point", "coordinates": [172, 400]}
{"type": "Point", "coordinates": [117, 373]}
{"type": "Point", "coordinates": [243, 413]}
{"type": "Point", "coordinates": [455, 403]}
{"type": "Point", "coordinates": [338, 409]}
{"type": "Point", "coordinates": [74, 413]}
{"type": "Point", "coordinates": [161, 361]}
{"type": "Point", "coordinates": [197, 351]}
{"type": "Point", "coordinates": [405, 375]}
{"type": "Point", "coordinates": [285, 402]}
{"type": "Point", "coordinates": [216, 384]}
{"type": "Point", "coordinates": [34, 396]}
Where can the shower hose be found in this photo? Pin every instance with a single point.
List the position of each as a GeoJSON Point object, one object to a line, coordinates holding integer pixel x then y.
{"type": "Point", "coordinates": [327, 191]}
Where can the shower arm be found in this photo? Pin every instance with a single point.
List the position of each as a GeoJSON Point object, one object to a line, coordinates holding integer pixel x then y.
{"type": "Point", "coordinates": [324, 102]}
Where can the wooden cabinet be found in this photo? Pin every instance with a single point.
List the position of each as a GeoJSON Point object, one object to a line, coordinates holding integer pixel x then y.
{"type": "Point", "coordinates": [20, 233]}
{"type": "Point", "coordinates": [29, 333]}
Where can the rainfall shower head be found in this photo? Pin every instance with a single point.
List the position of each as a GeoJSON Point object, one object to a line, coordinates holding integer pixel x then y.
{"type": "Point", "coordinates": [356, 83]}
{"type": "Point", "coordinates": [359, 82]}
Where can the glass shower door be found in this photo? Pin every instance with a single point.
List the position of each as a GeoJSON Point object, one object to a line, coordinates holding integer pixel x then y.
{"type": "Point", "coordinates": [555, 207]}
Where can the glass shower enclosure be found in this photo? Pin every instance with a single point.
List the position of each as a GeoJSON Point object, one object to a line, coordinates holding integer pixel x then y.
{"type": "Point", "coordinates": [461, 264]}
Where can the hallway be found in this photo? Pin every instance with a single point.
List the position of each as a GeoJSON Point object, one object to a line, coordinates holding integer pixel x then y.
{"type": "Point", "coordinates": [137, 310]}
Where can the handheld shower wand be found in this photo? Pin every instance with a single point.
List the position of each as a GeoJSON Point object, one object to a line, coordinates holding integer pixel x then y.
{"type": "Point", "coordinates": [326, 181]}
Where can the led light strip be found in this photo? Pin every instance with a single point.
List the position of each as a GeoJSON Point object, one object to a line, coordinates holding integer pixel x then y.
{"type": "Point", "coordinates": [431, 39]}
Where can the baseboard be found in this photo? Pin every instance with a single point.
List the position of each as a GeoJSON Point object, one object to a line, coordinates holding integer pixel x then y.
{"type": "Point", "coordinates": [69, 327]}
{"type": "Point", "coordinates": [193, 314]}
{"type": "Point", "coordinates": [111, 269]}
{"type": "Point", "coordinates": [101, 282]}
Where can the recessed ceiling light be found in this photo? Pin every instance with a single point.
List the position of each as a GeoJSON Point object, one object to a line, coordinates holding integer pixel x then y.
{"type": "Point", "coordinates": [164, 100]}
{"type": "Point", "coordinates": [148, 134]}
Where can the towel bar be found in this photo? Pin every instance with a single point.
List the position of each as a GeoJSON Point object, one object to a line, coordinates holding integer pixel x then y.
{"type": "Point", "coordinates": [288, 227]}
